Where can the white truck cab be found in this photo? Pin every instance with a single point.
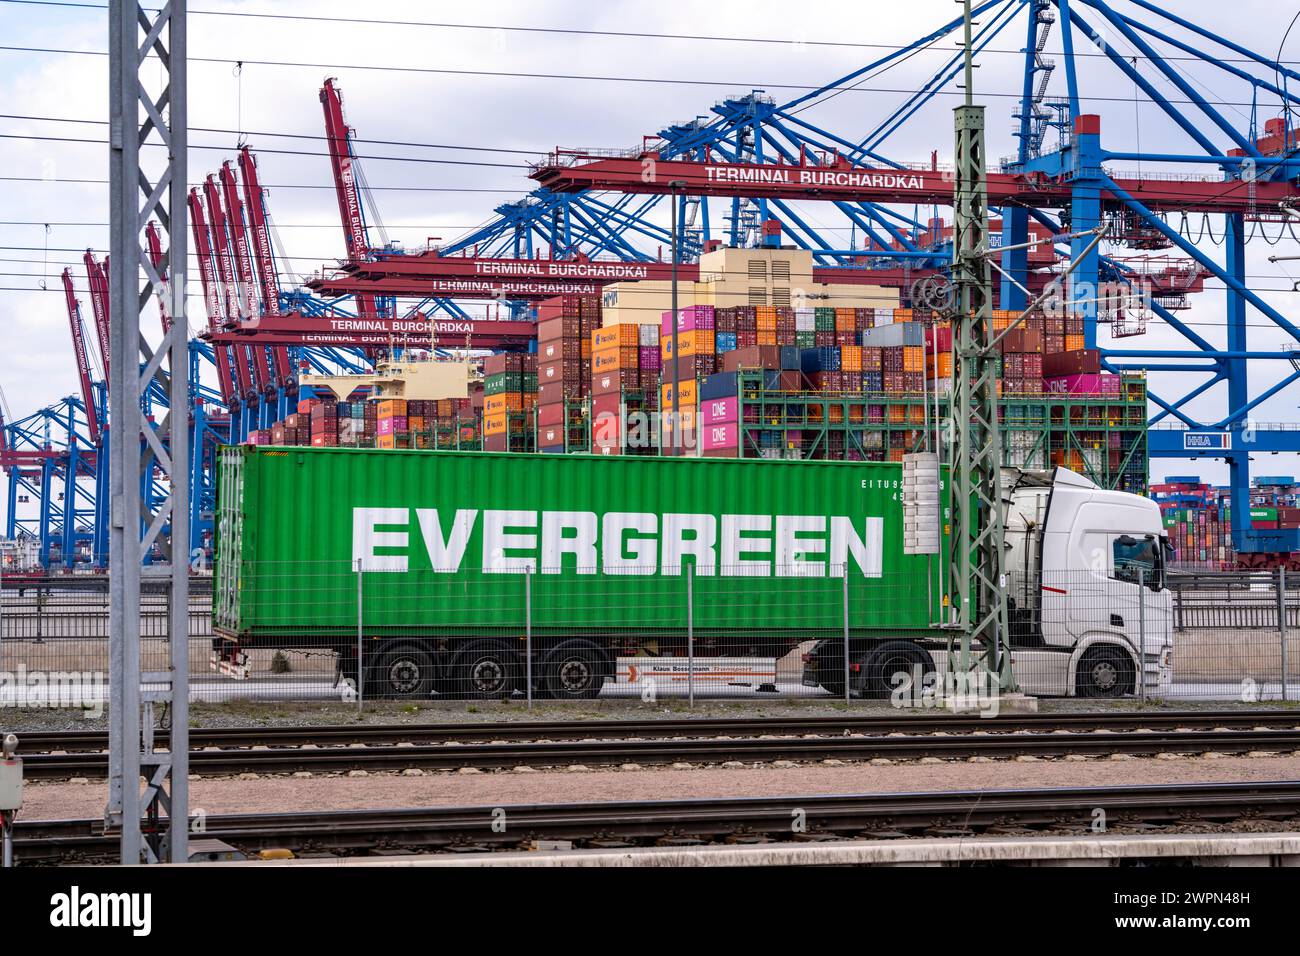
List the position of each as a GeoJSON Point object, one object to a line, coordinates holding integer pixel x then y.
{"type": "Point", "coordinates": [1088, 613]}
{"type": "Point", "coordinates": [1088, 607]}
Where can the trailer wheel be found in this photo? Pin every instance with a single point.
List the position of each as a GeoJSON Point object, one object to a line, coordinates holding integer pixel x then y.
{"type": "Point", "coordinates": [574, 671]}
{"type": "Point", "coordinates": [486, 670]}
{"type": "Point", "coordinates": [406, 673]}
{"type": "Point", "coordinates": [1104, 672]}
{"type": "Point", "coordinates": [878, 667]}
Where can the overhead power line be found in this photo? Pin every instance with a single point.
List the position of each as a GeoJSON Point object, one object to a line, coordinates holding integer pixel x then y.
{"type": "Point", "coordinates": [794, 41]}
{"type": "Point", "coordinates": [596, 78]}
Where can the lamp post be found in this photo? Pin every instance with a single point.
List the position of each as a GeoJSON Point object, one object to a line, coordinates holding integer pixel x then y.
{"type": "Point", "coordinates": [674, 187]}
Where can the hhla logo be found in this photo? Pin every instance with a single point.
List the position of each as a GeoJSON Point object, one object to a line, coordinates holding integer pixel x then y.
{"type": "Point", "coordinates": [75, 909]}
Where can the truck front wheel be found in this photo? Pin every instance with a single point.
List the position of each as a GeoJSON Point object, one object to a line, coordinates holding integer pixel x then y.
{"type": "Point", "coordinates": [1104, 672]}
{"type": "Point", "coordinates": [574, 671]}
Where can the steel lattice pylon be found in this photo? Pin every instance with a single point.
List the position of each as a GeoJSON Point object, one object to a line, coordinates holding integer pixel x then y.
{"type": "Point", "coordinates": [978, 582]}
{"type": "Point", "coordinates": [139, 448]}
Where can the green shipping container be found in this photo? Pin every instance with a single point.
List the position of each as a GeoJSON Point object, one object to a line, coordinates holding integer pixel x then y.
{"type": "Point", "coordinates": [444, 539]}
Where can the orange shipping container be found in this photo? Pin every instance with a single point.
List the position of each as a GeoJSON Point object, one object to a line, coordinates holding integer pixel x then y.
{"type": "Point", "coordinates": [766, 317]}
{"type": "Point", "coordinates": [1074, 343]}
{"type": "Point", "coordinates": [698, 342]}
{"type": "Point", "coordinates": [939, 366]}
{"type": "Point", "coordinates": [913, 358]}
{"type": "Point", "coordinates": [616, 358]}
{"type": "Point", "coordinates": [845, 320]}
{"type": "Point", "coordinates": [615, 335]}
{"type": "Point", "coordinates": [506, 402]}
{"type": "Point", "coordinates": [851, 358]}
{"type": "Point", "coordinates": [686, 394]}
{"type": "Point", "coordinates": [494, 424]}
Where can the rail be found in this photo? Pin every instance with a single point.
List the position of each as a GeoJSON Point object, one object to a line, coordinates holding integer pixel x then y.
{"type": "Point", "coordinates": [689, 822]}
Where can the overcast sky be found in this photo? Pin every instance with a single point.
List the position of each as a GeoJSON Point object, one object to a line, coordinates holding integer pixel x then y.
{"type": "Point", "coordinates": [531, 112]}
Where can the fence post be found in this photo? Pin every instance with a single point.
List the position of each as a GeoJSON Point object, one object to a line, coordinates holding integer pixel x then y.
{"type": "Point", "coordinates": [846, 632]}
{"type": "Point", "coordinates": [528, 634]}
{"type": "Point", "coordinates": [690, 633]}
{"type": "Point", "coordinates": [1282, 622]}
{"type": "Point", "coordinates": [361, 670]}
{"type": "Point", "coordinates": [1142, 635]}
{"type": "Point", "coordinates": [1178, 608]}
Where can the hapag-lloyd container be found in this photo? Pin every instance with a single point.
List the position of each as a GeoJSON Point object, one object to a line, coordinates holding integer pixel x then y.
{"type": "Point", "coordinates": [291, 523]}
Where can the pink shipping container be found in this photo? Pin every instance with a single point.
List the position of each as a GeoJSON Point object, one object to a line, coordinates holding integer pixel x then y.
{"type": "Point", "coordinates": [651, 360]}
{"type": "Point", "coordinates": [1083, 384]}
{"type": "Point", "coordinates": [724, 435]}
{"type": "Point", "coordinates": [688, 319]}
{"type": "Point", "coordinates": [385, 426]}
{"type": "Point", "coordinates": [716, 411]}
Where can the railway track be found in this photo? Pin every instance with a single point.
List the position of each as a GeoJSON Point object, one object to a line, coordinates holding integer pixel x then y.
{"type": "Point", "coordinates": [688, 822]}
{"type": "Point", "coordinates": [527, 730]}
{"type": "Point", "coordinates": [390, 749]}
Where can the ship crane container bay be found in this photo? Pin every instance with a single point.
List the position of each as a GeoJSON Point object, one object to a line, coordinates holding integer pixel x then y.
{"type": "Point", "coordinates": [461, 560]}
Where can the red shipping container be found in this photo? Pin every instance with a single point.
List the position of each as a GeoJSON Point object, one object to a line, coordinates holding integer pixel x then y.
{"type": "Point", "coordinates": [752, 356]}
{"type": "Point", "coordinates": [615, 382]}
{"type": "Point", "coordinates": [560, 306]}
{"type": "Point", "coordinates": [551, 414]}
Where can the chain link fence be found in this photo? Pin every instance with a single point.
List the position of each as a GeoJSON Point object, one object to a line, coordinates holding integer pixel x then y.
{"type": "Point", "coordinates": [310, 631]}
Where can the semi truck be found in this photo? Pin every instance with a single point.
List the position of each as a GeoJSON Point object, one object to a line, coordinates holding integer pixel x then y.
{"type": "Point", "coordinates": [484, 575]}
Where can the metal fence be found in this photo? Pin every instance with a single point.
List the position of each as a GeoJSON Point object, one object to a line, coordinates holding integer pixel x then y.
{"type": "Point", "coordinates": [320, 631]}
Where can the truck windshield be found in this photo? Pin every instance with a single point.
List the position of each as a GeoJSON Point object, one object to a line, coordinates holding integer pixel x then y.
{"type": "Point", "coordinates": [1145, 554]}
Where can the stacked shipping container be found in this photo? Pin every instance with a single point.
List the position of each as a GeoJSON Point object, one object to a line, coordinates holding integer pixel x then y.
{"type": "Point", "coordinates": [1198, 516]}
{"type": "Point", "coordinates": [564, 327]}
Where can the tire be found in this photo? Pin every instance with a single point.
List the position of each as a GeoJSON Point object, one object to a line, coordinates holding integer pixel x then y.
{"type": "Point", "coordinates": [575, 670]}
{"type": "Point", "coordinates": [405, 673]}
{"type": "Point", "coordinates": [1105, 672]}
{"type": "Point", "coordinates": [486, 670]}
{"type": "Point", "coordinates": [875, 678]}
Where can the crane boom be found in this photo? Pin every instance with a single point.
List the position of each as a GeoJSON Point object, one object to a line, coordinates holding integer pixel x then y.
{"type": "Point", "coordinates": [338, 136]}
{"type": "Point", "coordinates": [97, 280]}
{"type": "Point", "coordinates": [211, 299]}
{"type": "Point", "coordinates": [154, 242]}
{"type": "Point", "coordinates": [79, 353]}
{"type": "Point", "coordinates": [226, 282]}
{"type": "Point", "coordinates": [264, 257]}
{"type": "Point", "coordinates": [243, 263]}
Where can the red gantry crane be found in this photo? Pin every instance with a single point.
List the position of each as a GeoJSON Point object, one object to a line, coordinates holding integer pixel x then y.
{"type": "Point", "coordinates": [83, 359]}
{"type": "Point", "coordinates": [245, 283]}
{"type": "Point", "coordinates": [97, 279]}
{"type": "Point", "coordinates": [268, 279]}
{"type": "Point", "coordinates": [212, 302]}
{"type": "Point", "coordinates": [227, 294]}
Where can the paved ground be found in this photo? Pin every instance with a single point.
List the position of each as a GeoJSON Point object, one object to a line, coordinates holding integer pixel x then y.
{"type": "Point", "coordinates": [226, 795]}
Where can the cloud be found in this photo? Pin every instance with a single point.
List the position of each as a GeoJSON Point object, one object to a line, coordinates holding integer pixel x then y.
{"type": "Point", "coordinates": [521, 113]}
